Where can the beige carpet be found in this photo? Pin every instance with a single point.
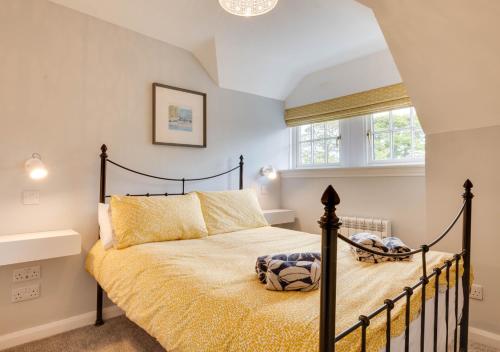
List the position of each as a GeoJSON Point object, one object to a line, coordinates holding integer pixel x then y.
{"type": "Point", "coordinates": [119, 334]}
{"type": "Point", "coordinates": [477, 347]}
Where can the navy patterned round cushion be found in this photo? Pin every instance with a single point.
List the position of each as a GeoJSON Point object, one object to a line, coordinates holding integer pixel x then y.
{"type": "Point", "coordinates": [293, 275]}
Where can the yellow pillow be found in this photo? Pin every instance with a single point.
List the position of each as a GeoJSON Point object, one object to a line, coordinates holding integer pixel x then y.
{"type": "Point", "coordinates": [139, 220]}
{"type": "Point", "coordinates": [230, 211]}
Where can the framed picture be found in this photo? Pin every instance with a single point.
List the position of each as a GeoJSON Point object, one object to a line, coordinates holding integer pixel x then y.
{"type": "Point", "coordinates": [179, 117]}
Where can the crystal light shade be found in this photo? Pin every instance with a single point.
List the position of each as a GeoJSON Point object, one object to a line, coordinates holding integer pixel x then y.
{"type": "Point", "coordinates": [248, 8]}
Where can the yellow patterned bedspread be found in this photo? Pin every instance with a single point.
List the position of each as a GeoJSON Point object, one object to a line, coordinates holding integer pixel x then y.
{"type": "Point", "coordinates": [203, 294]}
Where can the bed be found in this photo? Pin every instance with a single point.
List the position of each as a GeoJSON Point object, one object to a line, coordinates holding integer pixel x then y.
{"type": "Point", "coordinates": [203, 294]}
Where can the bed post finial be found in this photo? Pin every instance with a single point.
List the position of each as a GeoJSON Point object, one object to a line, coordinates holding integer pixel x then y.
{"type": "Point", "coordinates": [468, 185]}
{"type": "Point", "coordinates": [104, 149]}
{"type": "Point", "coordinates": [329, 199]}
{"type": "Point", "coordinates": [466, 248]}
{"type": "Point", "coordinates": [330, 224]}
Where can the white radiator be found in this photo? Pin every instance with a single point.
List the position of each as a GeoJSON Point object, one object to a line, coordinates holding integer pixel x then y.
{"type": "Point", "coordinates": [352, 225]}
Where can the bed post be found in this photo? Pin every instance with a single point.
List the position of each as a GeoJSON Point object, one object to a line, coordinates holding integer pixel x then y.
{"type": "Point", "coordinates": [241, 171]}
{"type": "Point", "coordinates": [330, 225]}
{"type": "Point", "coordinates": [102, 199]}
{"type": "Point", "coordinates": [466, 247]}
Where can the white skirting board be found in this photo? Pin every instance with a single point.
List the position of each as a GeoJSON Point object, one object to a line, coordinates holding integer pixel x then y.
{"type": "Point", "coordinates": [484, 337]}
{"type": "Point", "coordinates": [55, 327]}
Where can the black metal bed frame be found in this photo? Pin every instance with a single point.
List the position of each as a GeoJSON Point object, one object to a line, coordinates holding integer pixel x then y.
{"type": "Point", "coordinates": [330, 225]}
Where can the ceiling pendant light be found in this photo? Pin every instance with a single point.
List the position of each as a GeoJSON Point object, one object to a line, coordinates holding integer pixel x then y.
{"type": "Point", "coordinates": [248, 8]}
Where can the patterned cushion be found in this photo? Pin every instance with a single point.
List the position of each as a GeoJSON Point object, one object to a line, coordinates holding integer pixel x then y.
{"type": "Point", "coordinates": [293, 275]}
{"type": "Point", "coordinates": [395, 245]}
{"type": "Point", "coordinates": [372, 242]}
{"type": "Point", "coordinates": [261, 264]}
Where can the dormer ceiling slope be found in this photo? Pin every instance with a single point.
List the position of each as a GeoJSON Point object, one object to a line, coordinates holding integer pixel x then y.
{"type": "Point", "coordinates": [265, 55]}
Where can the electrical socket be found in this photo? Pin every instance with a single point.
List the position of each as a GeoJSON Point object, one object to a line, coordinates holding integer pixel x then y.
{"type": "Point", "coordinates": [476, 292]}
{"type": "Point", "coordinates": [25, 293]}
{"type": "Point", "coordinates": [26, 274]}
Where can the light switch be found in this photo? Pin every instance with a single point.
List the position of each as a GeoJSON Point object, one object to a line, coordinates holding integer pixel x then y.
{"type": "Point", "coordinates": [31, 197]}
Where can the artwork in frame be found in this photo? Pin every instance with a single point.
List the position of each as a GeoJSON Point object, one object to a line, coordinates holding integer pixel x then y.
{"type": "Point", "coordinates": [179, 117]}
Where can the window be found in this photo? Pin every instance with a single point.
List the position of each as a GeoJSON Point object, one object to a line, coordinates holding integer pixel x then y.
{"type": "Point", "coordinates": [389, 137]}
{"type": "Point", "coordinates": [318, 144]}
{"type": "Point", "coordinates": [395, 136]}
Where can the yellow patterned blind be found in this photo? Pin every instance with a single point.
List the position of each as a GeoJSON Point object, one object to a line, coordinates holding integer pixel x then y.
{"type": "Point", "coordinates": [374, 100]}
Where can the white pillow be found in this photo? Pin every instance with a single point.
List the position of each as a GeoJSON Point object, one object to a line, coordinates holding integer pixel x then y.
{"type": "Point", "coordinates": [105, 227]}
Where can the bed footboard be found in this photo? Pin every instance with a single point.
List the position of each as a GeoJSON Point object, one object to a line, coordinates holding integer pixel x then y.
{"type": "Point", "coordinates": [330, 225]}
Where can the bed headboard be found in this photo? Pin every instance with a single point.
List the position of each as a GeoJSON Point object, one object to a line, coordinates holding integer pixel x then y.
{"type": "Point", "coordinates": [102, 197]}
{"type": "Point", "coordinates": [105, 160]}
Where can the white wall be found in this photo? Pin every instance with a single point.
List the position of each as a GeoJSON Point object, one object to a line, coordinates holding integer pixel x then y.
{"type": "Point", "coordinates": [447, 53]}
{"type": "Point", "coordinates": [68, 83]}
{"type": "Point", "coordinates": [368, 72]}
{"type": "Point", "coordinates": [452, 158]}
{"type": "Point", "coordinates": [398, 198]}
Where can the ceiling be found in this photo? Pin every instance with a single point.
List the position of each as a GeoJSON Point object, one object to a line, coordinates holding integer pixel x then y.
{"type": "Point", "coordinates": [265, 55]}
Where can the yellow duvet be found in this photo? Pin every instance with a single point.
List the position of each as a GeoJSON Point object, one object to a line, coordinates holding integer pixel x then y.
{"type": "Point", "coordinates": [203, 294]}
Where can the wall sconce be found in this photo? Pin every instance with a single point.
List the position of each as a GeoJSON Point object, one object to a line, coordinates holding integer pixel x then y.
{"type": "Point", "coordinates": [35, 167]}
{"type": "Point", "coordinates": [269, 172]}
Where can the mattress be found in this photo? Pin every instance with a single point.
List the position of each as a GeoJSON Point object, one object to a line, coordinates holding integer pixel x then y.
{"type": "Point", "coordinates": [203, 294]}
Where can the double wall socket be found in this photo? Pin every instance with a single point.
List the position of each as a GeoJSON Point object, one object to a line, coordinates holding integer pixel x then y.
{"type": "Point", "coordinates": [25, 274]}
{"type": "Point", "coordinates": [25, 293]}
{"type": "Point", "coordinates": [476, 292]}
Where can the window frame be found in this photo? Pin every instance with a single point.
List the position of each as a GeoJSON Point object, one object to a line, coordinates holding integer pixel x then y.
{"type": "Point", "coordinates": [295, 141]}
{"type": "Point", "coordinates": [355, 146]}
{"type": "Point", "coordinates": [369, 133]}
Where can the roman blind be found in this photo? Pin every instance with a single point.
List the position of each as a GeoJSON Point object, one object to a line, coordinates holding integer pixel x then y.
{"type": "Point", "coordinates": [358, 104]}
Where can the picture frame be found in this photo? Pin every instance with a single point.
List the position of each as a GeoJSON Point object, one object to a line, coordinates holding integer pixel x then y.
{"type": "Point", "coordinates": [179, 116]}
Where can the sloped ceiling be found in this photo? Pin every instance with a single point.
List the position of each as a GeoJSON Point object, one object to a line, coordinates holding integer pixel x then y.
{"type": "Point", "coordinates": [448, 55]}
{"type": "Point", "coordinates": [265, 55]}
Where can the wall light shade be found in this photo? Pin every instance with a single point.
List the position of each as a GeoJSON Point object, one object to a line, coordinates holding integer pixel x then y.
{"type": "Point", "coordinates": [269, 172]}
{"type": "Point", "coordinates": [248, 8]}
{"type": "Point", "coordinates": [35, 167]}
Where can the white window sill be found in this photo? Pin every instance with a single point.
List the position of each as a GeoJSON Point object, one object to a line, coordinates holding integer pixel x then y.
{"type": "Point", "coordinates": [370, 171]}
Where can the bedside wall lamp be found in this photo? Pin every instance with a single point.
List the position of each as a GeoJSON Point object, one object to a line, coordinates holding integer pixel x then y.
{"type": "Point", "coordinates": [35, 167]}
{"type": "Point", "coordinates": [269, 172]}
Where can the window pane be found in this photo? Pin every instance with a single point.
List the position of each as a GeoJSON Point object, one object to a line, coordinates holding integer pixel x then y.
{"type": "Point", "coordinates": [382, 146]}
{"type": "Point", "coordinates": [332, 129]}
{"type": "Point", "coordinates": [305, 132]}
{"type": "Point", "coordinates": [401, 118]}
{"type": "Point", "coordinates": [319, 152]}
{"type": "Point", "coordinates": [318, 130]}
{"type": "Point", "coordinates": [419, 144]}
{"type": "Point", "coordinates": [401, 144]}
{"type": "Point", "coordinates": [381, 121]}
{"type": "Point", "coordinates": [305, 153]}
{"type": "Point", "coordinates": [332, 151]}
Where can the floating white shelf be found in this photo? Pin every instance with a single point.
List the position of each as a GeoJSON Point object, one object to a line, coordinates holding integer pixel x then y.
{"type": "Point", "coordinates": [279, 216]}
{"type": "Point", "coordinates": [28, 247]}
